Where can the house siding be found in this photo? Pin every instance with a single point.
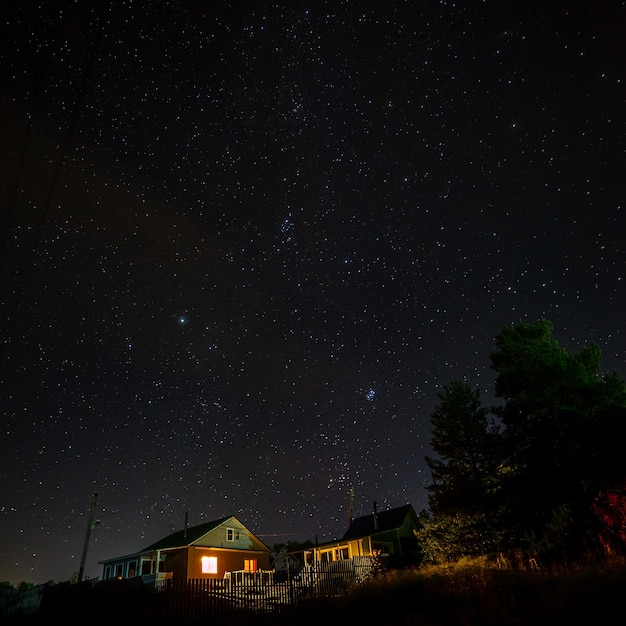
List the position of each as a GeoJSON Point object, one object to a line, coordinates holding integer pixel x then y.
{"type": "Point", "coordinates": [175, 562]}
{"type": "Point", "coordinates": [218, 538]}
{"type": "Point", "coordinates": [227, 561]}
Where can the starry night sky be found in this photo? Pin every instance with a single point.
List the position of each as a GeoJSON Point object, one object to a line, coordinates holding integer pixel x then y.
{"type": "Point", "coordinates": [245, 244]}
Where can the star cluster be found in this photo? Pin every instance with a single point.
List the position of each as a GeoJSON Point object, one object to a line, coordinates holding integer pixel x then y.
{"type": "Point", "coordinates": [245, 244]}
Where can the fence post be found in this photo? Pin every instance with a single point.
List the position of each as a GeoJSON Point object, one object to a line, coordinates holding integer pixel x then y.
{"type": "Point", "coordinates": [289, 583]}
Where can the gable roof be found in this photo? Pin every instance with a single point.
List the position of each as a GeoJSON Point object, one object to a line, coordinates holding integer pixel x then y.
{"type": "Point", "coordinates": [387, 520]}
{"type": "Point", "coordinates": [186, 536]}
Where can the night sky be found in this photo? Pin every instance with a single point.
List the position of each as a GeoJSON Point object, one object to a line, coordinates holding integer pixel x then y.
{"type": "Point", "coordinates": [245, 244]}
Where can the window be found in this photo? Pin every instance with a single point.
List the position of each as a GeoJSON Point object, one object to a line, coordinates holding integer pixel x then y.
{"type": "Point", "coordinates": [250, 565]}
{"type": "Point", "coordinates": [119, 570]}
{"type": "Point", "coordinates": [132, 569]}
{"type": "Point", "coordinates": [233, 535]}
{"type": "Point", "coordinates": [209, 564]}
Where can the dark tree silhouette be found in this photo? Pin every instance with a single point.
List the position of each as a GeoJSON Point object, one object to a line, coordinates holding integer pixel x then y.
{"type": "Point", "coordinates": [466, 442]}
{"type": "Point", "coordinates": [540, 482]}
{"type": "Point", "coordinates": [564, 426]}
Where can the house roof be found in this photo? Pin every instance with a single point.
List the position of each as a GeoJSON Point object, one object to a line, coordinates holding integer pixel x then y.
{"type": "Point", "coordinates": [387, 520]}
{"type": "Point", "coordinates": [186, 536]}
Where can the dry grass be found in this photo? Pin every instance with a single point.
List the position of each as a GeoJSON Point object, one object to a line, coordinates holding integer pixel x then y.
{"type": "Point", "coordinates": [474, 593]}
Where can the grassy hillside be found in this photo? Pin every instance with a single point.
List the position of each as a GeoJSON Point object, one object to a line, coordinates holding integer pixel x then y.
{"type": "Point", "coordinates": [471, 593]}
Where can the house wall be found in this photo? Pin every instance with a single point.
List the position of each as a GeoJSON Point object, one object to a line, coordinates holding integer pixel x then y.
{"type": "Point", "coordinates": [227, 560]}
{"type": "Point", "coordinates": [230, 535]}
{"type": "Point", "coordinates": [386, 541]}
{"type": "Point", "coordinates": [175, 562]}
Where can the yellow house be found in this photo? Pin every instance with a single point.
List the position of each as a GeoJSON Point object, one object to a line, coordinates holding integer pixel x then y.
{"type": "Point", "coordinates": [390, 532]}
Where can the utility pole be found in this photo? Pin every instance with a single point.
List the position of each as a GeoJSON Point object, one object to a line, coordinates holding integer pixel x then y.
{"type": "Point", "coordinates": [351, 507]}
{"type": "Point", "coordinates": [91, 524]}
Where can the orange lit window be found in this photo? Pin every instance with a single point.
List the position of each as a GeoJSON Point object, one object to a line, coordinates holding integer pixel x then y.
{"type": "Point", "coordinates": [209, 565]}
{"type": "Point", "coordinates": [250, 565]}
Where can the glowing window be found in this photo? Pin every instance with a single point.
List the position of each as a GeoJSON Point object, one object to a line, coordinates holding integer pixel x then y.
{"type": "Point", "coordinates": [209, 565]}
{"type": "Point", "coordinates": [250, 565]}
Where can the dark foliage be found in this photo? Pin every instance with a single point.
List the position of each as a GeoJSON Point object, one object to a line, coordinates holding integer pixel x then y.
{"type": "Point", "coordinates": [467, 445]}
{"type": "Point", "coordinates": [562, 444]}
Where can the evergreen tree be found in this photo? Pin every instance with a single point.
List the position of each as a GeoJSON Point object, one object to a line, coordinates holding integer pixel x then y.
{"type": "Point", "coordinates": [552, 480]}
{"type": "Point", "coordinates": [564, 434]}
{"type": "Point", "coordinates": [465, 440]}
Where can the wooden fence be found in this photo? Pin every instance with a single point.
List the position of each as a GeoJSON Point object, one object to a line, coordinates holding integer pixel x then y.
{"type": "Point", "coordinates": [201, 600]}
{"type": "Point", "coordinates": [198, 602]}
